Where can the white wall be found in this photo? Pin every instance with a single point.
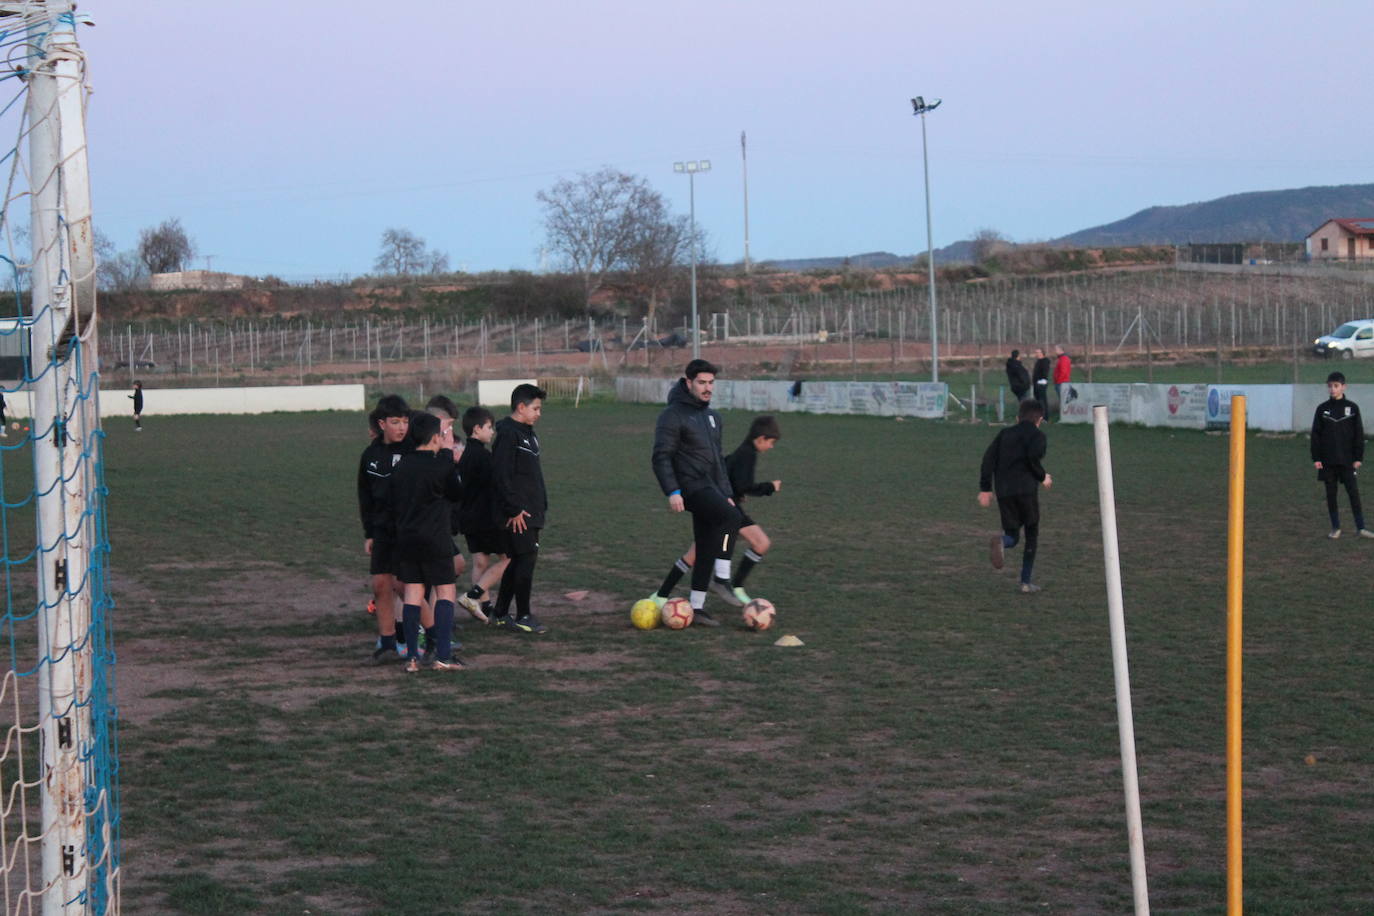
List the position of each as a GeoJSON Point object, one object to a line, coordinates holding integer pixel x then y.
{"type": "Point", "coordinates": [495, 392]}
{"type": "Point", "coordinates": [114, 402]}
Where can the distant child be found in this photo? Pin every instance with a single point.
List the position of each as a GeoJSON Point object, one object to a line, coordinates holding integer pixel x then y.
{"type": "Point", "coordinates": [1338, 451]}
{"type": "Point", "coordinates": [521, 503]}
{"type": "Point", "coordinates": [477, 514]}
{"type": "Point", "coordinates": [447, 412]}
{"type": "Point", "coordinates": [390, 423]}
{"type": "Point", "coordinates": [137, 398]}
{"type": "Point", "coordinates": [740, 464]}
{"type": "Point", "coordinates": [423, 485]}
{"type": "Point", "coordinates": [1013, 461]}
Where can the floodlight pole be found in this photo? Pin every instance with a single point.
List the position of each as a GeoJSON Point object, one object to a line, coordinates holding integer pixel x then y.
{"type": "Point", "coordinates": [744, 164]}
{"type": "Point", "coordinates": [919, 107]}
{"type": "Point", "coordinates": [691, 168]}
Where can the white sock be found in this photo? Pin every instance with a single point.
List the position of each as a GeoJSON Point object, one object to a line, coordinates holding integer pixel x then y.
{"type": "Point", "coordinates": [722, 568]}
{"type": "Point", "coordinates": [696, 599]}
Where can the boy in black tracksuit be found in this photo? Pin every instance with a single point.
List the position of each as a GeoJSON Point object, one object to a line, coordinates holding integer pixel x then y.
{"type": "Point", "coordinates": [1040, 378]}
{"type": "Point", "coordinates": [423, 487]}
{"type": "Point", "coordinates": [389, 423]}
{"type": "Point", "coordinates": [1017, 376]}
{"type": "Point", "coordinates": [521, 503]}
{"type": "Point", "coordinates": [476, 513]}
{"type": "Point", "coordinates": [1013, 460]}
{"type": "Point", "coordinates": [690, 468]}
{"type": "Point", "coordinates": [1338, 451]}
{"type": "Point", "coordinates": [764, 433]}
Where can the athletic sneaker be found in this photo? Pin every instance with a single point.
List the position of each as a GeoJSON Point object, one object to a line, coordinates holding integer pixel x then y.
{"type": "Point", "coordinates": [721, 589]}
{"type": "Point", "coordinates": [741, 595]}
{"type": "Point", "coordinates": [1028, 589]}
{"type": "Point", "coordinates": [996, 551]}
{"type": "Point", "coordinates": [503, 622]}
{"type": "Point", "coordinates": [1335, 533]}
{"type": "Point", "coordinates": [473, 607]}
{"type": "Point", "coordinates": [529, 624]}
{"type": "Point", "coordinates": [1366, 533]}
{"type": "Point", "coordinates": [453, 664]}
{"type": "Point", "coordinates": [703, 619]}
{"type": "Point", "coordinates": [381, 656]}
{"type": "Point", "coordinates": [658, 600]}
{"type": "Point", "coordinates": [412, 665]}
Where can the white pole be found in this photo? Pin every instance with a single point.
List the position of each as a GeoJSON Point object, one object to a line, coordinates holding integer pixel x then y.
{"type": "Point", "coordinates": [1111, 558]}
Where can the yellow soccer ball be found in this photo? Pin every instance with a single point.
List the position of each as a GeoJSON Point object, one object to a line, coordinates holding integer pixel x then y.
{"type": "Point", "coordinates": [644, 614]}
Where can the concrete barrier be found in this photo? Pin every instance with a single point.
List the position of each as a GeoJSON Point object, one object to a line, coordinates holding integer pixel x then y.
{"type": "Point", "coordinates": [114, 402]}
{"type": "Point", "coordinates": [883, 399]}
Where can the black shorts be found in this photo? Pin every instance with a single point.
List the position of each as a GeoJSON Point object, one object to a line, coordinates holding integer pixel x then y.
{"type": "Point", "coordinates": [744, 520]}
{"type": "Point", "coordinates": [428, 569]}
{"type": "Point", "coordinates": [486, 542]}
{"type": "Point", "coordinates": [526, 541]}
{"type": "Point", "coordinates": [1018, 510]}
{"type": "Point", "coordinates": [383, 560]}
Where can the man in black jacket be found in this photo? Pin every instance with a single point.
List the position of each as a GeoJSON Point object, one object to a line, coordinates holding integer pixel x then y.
{"type": "Point", "coordinates": [690, 468]}
{"type": "Point", "coordinates": [1013, 461]}
{"type": "Point", "coordinates": [521, 503]}
{"type": "Point", "coordinates": [1017, 377]}
{"type": "Point", "coordinates": [1040, 376]}
{"type": "Point", "coordinates": [1338, 451]}
{"type": "Point", "coordinates": [389, 423]}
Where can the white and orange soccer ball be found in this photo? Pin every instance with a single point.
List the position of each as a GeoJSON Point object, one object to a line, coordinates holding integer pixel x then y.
{"type": "Point", "coordinates": [759, 614]}
{"type": "Point", "coordinates": [677, 614]}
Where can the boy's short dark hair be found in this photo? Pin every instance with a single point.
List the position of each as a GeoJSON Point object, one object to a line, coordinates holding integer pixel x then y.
{"type": "Point", "coordinates": [138, 384]}
{"type": "Point", "coordinates": [1336, 377]}
{"type": "Point", "coordinates": [698, 366]}
{"type": "Point", "coordinates": [441, 402]}
{"type": "Point", "coordinates": [392, 405]}
{"type": "Point", "coordinates": [526, 394]}
{"type": "Point", "coordinates": [1030, 409]}
{"type": "Point", "coordinates": [765, 426]}
{"type": "Point", "coordinates": [1015, 354]}
{"type": "Point", "coordinates": [423, 427]}
{"type": "Point", "coordinates": [474, 417]}
{"type": "Point", "coordinates": [374, 421]}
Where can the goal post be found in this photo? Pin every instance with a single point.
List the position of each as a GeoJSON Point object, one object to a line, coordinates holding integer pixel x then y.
{"type": "Point", "coordinates": [60, 830]}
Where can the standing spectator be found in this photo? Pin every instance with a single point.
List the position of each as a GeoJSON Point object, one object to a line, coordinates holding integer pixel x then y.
{"type": "Point", "coordinates": [1338, 451]}
{"type": "Point", "coordinates": [1040, 375]}
{"type": "Point", "coordinates": [521, 502]}
{"type": "Point", "coordinates": [1063, 369]}
{"type": "Point", "coordinates": [137, 398]}
{"type": "Point", "coordinates": [1012, 464]}
{"type": "Point", "coordinates": [1017, 376]}
{"type": "Point", "coordinates": [3, 422]}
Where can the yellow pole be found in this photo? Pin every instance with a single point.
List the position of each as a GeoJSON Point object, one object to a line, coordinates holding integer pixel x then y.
{"type": "Point", "coordinates": [1235, 567]}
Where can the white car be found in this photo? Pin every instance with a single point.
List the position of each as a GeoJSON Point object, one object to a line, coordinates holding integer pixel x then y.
{"type": "Point", "coordinates": [1354, 338]}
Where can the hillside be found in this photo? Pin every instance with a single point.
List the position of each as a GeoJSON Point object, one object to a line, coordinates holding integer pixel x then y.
{"type": "Point", "coordinates": [1268, 216]}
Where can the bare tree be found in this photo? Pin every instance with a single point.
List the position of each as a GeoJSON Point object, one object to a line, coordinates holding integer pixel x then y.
{"type": "Point", "coordinates": [165, 248]}
{"type": "Point", "coordinates": [988, 243]}
{"type": "Point", "coordinates": [588, 221]}
{"type": "Point", "coordinates": [657, 244]}
{"type": "Point", "coordinates": [118, 271]}
{"type": "Point", "coordinates": [403, 253]}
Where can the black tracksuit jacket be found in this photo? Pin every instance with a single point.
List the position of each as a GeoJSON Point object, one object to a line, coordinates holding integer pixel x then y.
{"type": "Point", "coordinates": [517, 476]}
{"type": "Point", "coordinates": [476, 512]}
{"type": "Point", "coordinates": [1337, 433]}
{"type": "Point", "coordinates": [740, 465]}
{"type": "Point", "coordinates": [1017, 376]}
{"type": "Point", "coordinates": [687, 452]}
{"type": "Point", "coordinates": [1013, 459]}
{"type": "Point", "coordinates": [423, 487]}
{"type": "Point", "coordinates": [374, 486]}
{"type": "Point", "coordinates": [1041, 370]}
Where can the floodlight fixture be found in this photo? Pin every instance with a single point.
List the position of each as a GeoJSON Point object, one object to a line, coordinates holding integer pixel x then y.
{"type": "Point", "coordinates": [690, 168]}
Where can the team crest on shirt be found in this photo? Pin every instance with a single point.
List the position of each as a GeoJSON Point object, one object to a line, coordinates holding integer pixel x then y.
{"type": "Point", "coordinates": [712, 420]}
{"type": "Point", "coordinates": [395, 460]}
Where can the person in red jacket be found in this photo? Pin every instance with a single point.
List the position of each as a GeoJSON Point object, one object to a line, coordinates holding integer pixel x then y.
{"type": "Point", "coordinates": [1063, 369]}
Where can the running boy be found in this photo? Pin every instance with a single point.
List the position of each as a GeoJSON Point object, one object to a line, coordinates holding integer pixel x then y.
{"type": "Point", "coordinates": [477, 514]}
{"type": "Point", "coordinates": [390, 420]}
{"type": "Point", "coordinates": [423, 486]}
{"type": "Point", "coordinates": [1338, 451]}
{"type": "Point", "coordinates": [521, 503]}
{"type": "Point", "coordinates": [1013, 460]}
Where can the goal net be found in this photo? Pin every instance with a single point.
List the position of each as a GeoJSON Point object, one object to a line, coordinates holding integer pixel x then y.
{"type": "Point", "coordinates": [59, 801]}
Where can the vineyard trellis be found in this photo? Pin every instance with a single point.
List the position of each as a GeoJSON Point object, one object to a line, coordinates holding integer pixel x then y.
{"type": "Point", "coordinates": [1141, 311]}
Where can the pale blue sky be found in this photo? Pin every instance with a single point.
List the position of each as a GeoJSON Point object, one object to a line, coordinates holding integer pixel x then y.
{"type": "Point", "coordinates": [287, 134]}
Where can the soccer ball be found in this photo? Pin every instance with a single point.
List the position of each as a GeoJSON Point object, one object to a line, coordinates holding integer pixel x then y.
{"type": "Point", "coordinates": [644, 614]}
{"type": "Point", "coordinates": [677, 614]}
{"type": "Point", "coordinates": [758, 614]}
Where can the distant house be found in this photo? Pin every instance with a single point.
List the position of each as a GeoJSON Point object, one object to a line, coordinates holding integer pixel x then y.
{"type": "Point", "coordinates": [196, 279]}
{"type": "Point", "coordinates": [1343, 239]}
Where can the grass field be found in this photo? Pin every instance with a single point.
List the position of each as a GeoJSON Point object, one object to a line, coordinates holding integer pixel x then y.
{"type": "Point", "coordinates": [941, 744]}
